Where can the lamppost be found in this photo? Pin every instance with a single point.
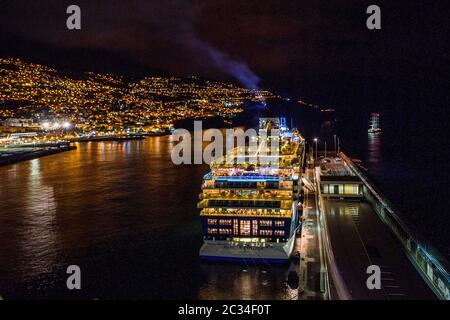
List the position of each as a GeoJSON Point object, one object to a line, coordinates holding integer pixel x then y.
{"type": "Point", "coordinates": [315, 141]}
{"type": "Point", "coordinates": [335, 150]}
{"type": "Point", "coordinates": [338, 145]}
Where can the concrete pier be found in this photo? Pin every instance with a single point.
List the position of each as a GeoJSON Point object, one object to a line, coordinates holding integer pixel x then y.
{"type": "Point", "coordinates": [313, 274]}
{"type": "Point", "coordinates": [356, 238]}
{"type": "Point", "coordinates": [14, 154]}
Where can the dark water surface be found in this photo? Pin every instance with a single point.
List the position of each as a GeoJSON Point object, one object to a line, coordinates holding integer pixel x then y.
{"type": "Point", "coordinates": [127, 216]}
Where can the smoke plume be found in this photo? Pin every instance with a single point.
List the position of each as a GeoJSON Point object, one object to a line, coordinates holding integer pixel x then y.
{"type": "Point", "coordinates": [215, 57]}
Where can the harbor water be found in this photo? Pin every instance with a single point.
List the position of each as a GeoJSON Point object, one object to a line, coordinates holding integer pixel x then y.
{"type": "Point", "coordinates": [127, 216]}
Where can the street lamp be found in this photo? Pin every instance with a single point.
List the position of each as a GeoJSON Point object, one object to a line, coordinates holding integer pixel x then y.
{"type": "Point", "coordinates": [315, 141]}
{"type": "Point", "coordinates": [335, 150]}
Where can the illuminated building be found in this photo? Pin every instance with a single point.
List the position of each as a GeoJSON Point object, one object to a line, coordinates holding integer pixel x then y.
{"type": "Point", "coordinates": [107, 103]}
{"type": "Point", "coordinates": [337, 181]}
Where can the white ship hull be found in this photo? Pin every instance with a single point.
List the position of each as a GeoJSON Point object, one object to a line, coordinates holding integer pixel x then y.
{"type": "Point", "coordinates": [374, 131]}
{"type": "Point", "coordinates": [225, 251]}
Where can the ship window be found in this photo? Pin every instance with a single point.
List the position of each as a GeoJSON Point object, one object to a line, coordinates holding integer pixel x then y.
{"type": "Point", "coordinates": [225, 222]}
{"type": "Point", "coordinates": [212, 230]}
{"type": "Point", "coordinates": [279, 232]}
{"type": "Point", "coordinates": [265, 223]}
{"type": "Point", "coordinates": [255, 227]}
{"type": "Point", "coordinates": [245, 227]}
{"type": "Point", "coordinates": [336, 189]}
{"type": "Point", "coordinates": [279, 223]}
{"type": "Point", "coordinates": [224, 231]}
{"type": "Point", "coordinates": [212, 221]}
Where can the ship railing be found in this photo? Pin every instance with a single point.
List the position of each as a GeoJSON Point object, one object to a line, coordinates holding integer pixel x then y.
{"type": "Point", "coordinates": [252, 178]}
{"type": "Point", "coordinates": [257, 204]}
{"type": "Point", "coordinates": [208, 176]}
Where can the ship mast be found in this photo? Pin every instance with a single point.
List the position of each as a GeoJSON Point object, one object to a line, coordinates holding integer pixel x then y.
{"type": "Point", "coordinates": [374, 122]}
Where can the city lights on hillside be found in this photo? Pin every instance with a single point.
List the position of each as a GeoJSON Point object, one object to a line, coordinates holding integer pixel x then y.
{"type": "Point", "coordinates": [107, 103]}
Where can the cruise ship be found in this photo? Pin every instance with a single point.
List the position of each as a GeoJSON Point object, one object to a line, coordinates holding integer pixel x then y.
{"type": "Point", "coordinates": [250, 210]}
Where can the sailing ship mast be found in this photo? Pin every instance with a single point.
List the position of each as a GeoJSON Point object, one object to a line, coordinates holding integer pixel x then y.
{"type": "Point", "coordinates": [374, 123]}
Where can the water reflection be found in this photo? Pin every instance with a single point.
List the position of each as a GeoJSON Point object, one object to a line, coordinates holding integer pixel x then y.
{"type": "Point", "coordinates": [246, 281]}
{"type": "Point", "coordinates": [374, 154]}
{"type": "Point", "coordinates": [127, 216]}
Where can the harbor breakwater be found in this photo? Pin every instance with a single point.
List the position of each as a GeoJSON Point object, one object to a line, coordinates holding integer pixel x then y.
{"type": "Point", "coordinates": [11, 155]}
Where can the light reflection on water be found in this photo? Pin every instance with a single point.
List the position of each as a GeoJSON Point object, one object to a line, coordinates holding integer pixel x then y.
{"type": "Point", "coordinates": [127, 216]}
{"type": "Point", "coordinates": [374, 157]}
{"type": "Point", "coordinates": [374, 154]}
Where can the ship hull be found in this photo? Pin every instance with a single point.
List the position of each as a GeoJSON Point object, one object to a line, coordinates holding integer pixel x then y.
{"type": "Point", "coordinates": [223, 251]}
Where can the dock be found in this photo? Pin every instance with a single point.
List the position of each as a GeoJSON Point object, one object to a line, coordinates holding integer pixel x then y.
{"type": "Point", "coordinates": [108, 138]}
{"type": "Point", "coordinates": [313, 269]}
{"type": "Point", "coordinates": [354, 237]}
{"type": "Point", "coordinates": [17, 153]}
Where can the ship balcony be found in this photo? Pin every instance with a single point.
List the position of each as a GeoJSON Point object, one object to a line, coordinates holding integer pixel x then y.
{"type": "Point", "coordinates": [259, 213]}
{"type": "Point", "coordinates": [243, 204]}
{"type": "Point", "coordinates": [268, 196]}
{"type": "Point", "coordinates": [284, 185]}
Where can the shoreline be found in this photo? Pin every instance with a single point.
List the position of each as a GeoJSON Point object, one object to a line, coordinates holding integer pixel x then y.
{"type": "Point", "coordinates": [18, 154]}
{"type": "Point", "coordinates": [108, 138]}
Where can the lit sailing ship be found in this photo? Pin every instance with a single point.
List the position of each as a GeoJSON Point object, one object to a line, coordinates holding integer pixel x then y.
{"type": "Point", "coordinates": [249, 210]}
{"type": "Point", "coordinates": [374, 123]}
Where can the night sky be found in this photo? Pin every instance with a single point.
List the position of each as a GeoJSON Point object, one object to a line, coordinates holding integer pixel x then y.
{"type": "Point", "coordinates": [320, 50]}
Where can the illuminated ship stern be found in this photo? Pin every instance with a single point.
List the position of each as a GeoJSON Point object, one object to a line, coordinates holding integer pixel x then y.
{"type": "Point", "coordinates": [248, 211]}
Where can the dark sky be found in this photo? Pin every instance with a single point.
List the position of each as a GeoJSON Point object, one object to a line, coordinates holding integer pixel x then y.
{"type": "Point", "coordinates": [319, 49]}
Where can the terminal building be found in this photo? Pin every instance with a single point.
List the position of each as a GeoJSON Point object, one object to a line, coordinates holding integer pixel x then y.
{"type": "Point", "coordinates": [338, 181]}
